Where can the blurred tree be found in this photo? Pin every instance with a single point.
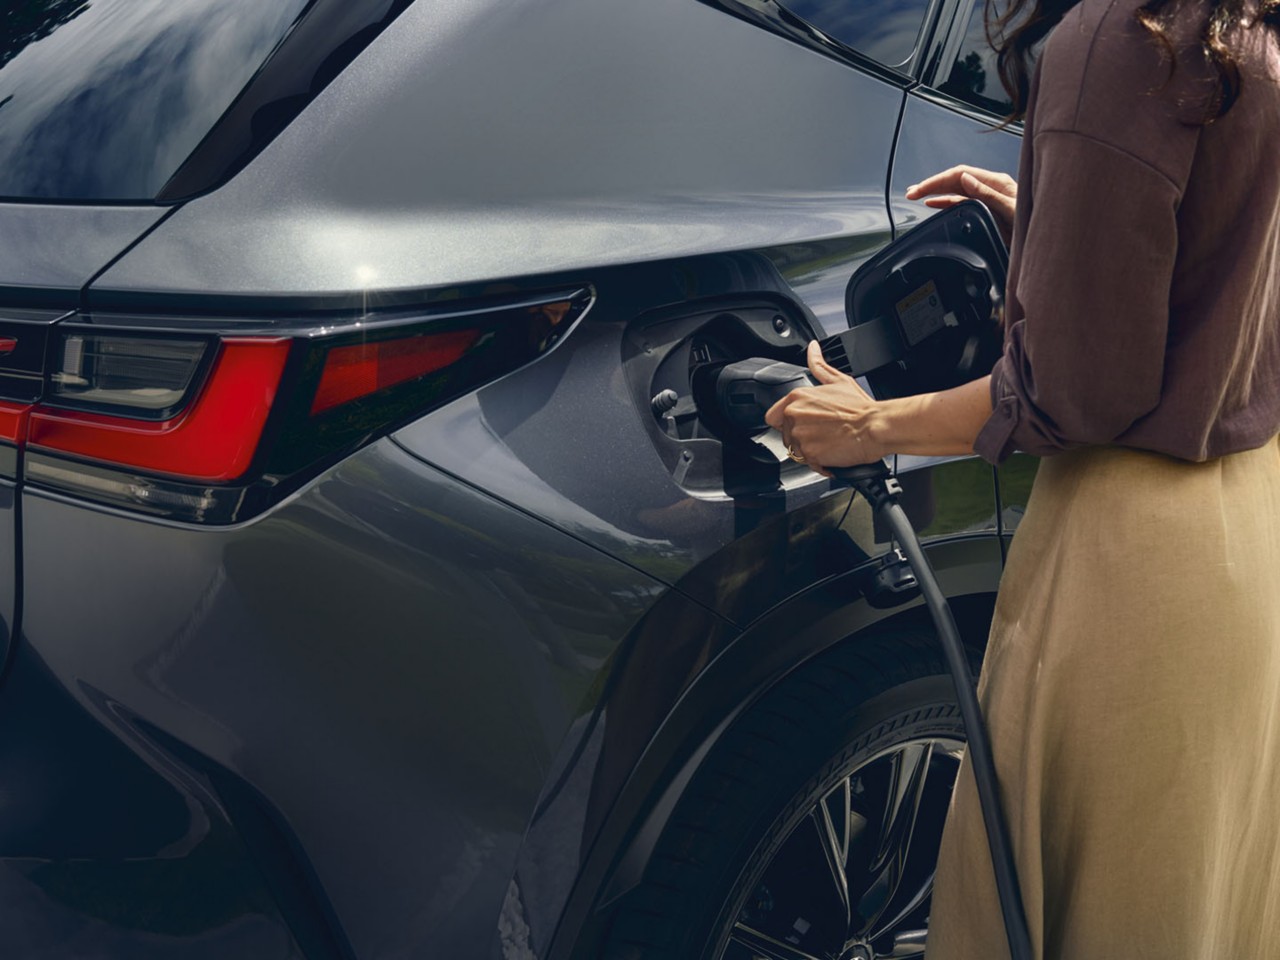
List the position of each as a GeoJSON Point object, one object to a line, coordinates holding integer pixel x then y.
{"type": "Point", "coordinates": [26, 21]}
{"type": "Point", "coordinates": [968, 76]}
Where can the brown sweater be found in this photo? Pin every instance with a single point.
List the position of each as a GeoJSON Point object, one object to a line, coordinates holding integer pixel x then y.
{"type": "Point", "coordinates": [1144, 301]}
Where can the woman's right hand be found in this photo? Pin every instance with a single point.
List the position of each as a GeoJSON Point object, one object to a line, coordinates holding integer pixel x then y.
{"type": "Point", "coordinates": [998, 191]}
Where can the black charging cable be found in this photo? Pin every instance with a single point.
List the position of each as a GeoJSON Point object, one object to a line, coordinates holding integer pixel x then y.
{"type": "Point", "coordinates": [735, 398]}
{"type": "Point", "coordinates": [875, 482]}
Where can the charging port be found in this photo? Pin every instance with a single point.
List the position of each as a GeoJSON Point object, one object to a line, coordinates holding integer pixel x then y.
{"type": "Point", "coordinates": [672, 363]}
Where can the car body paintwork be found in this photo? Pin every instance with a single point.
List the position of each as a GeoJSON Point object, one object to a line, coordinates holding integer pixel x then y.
{"type": "Point", "coordinates": [99, 833]}
{"type": "Point", "coordinates": [50, 252]}
{"type": "Point", "coordinates": [591, 153]}
{"type": "Point", "coordinates": [392, 659]}
{"type": "Point", "coordinates": [932, 130]}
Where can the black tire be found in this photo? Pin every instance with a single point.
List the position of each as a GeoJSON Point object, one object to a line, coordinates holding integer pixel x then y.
{"type": "Point", "coordinates": [742, 869]}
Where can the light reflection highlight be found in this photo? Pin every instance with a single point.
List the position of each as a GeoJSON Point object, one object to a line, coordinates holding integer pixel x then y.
{"type": "Point", "coordinates": [104, 99]}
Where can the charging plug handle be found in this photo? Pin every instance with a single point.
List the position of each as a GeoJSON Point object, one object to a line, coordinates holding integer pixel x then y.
{"type": "Point", "coordinates": [745, 390]}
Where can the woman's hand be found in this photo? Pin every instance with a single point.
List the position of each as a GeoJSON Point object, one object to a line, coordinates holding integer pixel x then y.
{"type": "Point", "coordinates": [828, 425]}
{"type": "Point", "coordinates": [838, 424]}
{"type": "Point", "coordinates": [998, 191]}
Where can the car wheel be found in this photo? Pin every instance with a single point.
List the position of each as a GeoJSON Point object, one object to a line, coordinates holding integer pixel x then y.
{"type": "Point", "coordinates": [812, 830]}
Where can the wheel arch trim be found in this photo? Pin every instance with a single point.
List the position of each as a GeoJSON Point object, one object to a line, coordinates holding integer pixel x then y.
{"type": "Point", "coordinates": [760, 657]}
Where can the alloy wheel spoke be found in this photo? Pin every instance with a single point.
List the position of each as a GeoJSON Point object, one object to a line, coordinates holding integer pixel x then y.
{"type": "Point", "coordinates": [832, 826]}
{"type": "Point", "coordinates": [912, 903]}
{"type": "Point", "coordinates": [765, 947]}
{"type": "Point", "coordinates": [909, 767]}
{"type": "Point", "coordinates": [837, 804]}
{"type": "Point", "coordinates": [907, 945]}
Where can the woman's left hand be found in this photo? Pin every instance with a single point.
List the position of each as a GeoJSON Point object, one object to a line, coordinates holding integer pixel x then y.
{"type": "Point", "coordinates": [830, 425]}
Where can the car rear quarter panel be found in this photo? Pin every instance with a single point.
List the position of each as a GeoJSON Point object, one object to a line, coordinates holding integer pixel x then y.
{"type": "Point", "coordinates": [391, 661]}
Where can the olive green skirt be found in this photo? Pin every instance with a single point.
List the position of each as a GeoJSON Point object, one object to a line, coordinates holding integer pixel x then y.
{"type": "Point", "coordinates": [1132, 688]}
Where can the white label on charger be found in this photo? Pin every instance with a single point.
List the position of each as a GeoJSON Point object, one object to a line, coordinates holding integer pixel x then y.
{"type": "Point", "coordinates": [921, 313]}
{"type": "Point", "coordinates": [772, 441]}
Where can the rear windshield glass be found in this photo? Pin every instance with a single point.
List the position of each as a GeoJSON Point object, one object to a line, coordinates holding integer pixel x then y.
{"type": "Point", "coordinates": [104, 99]}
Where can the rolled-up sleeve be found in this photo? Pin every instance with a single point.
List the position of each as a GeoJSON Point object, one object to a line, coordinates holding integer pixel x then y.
{"type": "Point", "coordinates": [1084, 360]}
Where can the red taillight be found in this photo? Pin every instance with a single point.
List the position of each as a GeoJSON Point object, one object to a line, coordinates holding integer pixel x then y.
{"type": "Point", "coordinates": [214, 440]}
{"type": "Point", "coordinates": [212, 428]}
{"type": "Point", "coordinates": [13, 421]}
{"type": "Point", "coordinates": [364, 368]}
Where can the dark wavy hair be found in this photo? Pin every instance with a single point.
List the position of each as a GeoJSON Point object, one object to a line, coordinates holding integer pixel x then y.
{"type": "Point", "coordinates": [1016, 30]}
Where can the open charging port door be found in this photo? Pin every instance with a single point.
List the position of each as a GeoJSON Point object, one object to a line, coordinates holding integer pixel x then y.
{"type": "Point", "coordinates": [925, 312]}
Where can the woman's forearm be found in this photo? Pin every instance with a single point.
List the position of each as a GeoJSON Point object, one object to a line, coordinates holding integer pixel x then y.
{"type": "Point", "coordinates": [933, 424]}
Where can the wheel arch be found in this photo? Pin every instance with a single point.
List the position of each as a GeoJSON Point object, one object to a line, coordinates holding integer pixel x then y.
{"type": "Point", "coordinates": [792, 633]}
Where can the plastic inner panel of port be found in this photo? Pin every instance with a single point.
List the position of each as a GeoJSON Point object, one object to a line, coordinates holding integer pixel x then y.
{"type": "Point", "coordinates": [670, 358]}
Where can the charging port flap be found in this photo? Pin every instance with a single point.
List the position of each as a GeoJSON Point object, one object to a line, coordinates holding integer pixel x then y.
{"type": "Point", "coordinates": [925, 312]}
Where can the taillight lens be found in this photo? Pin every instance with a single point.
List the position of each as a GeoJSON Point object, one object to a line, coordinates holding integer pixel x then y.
{"type": "Point", "coordinates": [215, 428]}
{"type": "Point", "coordinates": [213, 440]}
{"type": "Point", "coordinates": [137, 376]}
{"type": "Point", "coordinates": [363, 368]}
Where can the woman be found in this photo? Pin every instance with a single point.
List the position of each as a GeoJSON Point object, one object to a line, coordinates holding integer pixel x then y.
{"type": "Point", "coordinates": [1132, 680]}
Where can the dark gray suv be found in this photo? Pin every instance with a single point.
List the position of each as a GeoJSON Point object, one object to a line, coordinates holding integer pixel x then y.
{"type": "Point", "coordinates": [372, 583]}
